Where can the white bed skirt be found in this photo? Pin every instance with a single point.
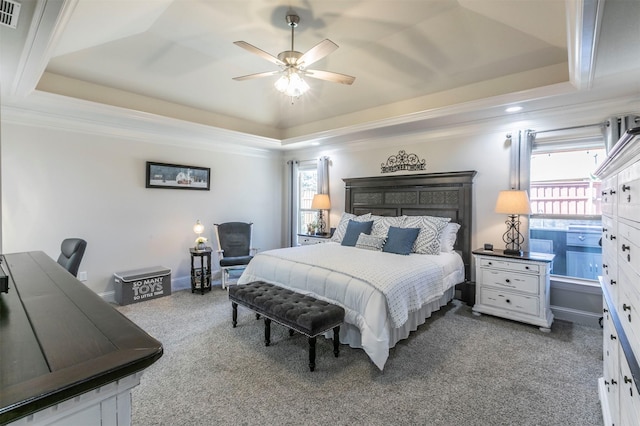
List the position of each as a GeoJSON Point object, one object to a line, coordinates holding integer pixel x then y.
{"type": "Point", "coordinates": [350, 334]}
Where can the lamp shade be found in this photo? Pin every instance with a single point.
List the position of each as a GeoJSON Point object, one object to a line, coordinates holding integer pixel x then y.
{"type": "Point", "coordinates": [321, 202]}
{"type": "Point", "coordinates": [513, 202]}
{"type": "Point", "coordinates": [198, 228]}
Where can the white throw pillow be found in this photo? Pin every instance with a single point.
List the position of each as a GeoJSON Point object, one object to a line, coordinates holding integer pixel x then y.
{"type": "Point", "coordinates": [448, 237]}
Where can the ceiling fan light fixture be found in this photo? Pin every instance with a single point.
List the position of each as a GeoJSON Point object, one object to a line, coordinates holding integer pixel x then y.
{"type": "Point", "coordinates": [291, 84]}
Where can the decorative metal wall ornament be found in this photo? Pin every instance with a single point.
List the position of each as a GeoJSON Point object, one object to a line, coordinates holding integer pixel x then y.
{"type": "Point", "coordinates": [403, 161]}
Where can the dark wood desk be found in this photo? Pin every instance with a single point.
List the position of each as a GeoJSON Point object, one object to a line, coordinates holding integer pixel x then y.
{"type": "Point", "coordinates": [60, 339]}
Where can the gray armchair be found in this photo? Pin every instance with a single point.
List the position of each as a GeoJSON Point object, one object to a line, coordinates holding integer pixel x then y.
{"type": "Point", "coordinates": [71, 253]}
{"type": "Point", "coordinates": [234, 247]}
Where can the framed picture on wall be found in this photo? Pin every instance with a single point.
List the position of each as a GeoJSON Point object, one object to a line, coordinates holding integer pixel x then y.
{"type": "Point", "coordinates": [176, 176]}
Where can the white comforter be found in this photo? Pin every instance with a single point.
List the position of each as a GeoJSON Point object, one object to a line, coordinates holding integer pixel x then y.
{"type": "Point", "coordinates": [379, 291]}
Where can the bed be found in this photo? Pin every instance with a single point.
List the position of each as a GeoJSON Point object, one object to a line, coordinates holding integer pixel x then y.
{"type": "Point", "coordinates": [385, 295]}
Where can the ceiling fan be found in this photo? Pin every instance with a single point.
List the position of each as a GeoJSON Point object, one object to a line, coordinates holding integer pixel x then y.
{"type": "Point", "coordinates": [293, 64]}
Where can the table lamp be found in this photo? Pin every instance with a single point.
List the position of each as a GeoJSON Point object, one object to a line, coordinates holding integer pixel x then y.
{"type": "Point", "coordinates": [513, 203]}
{"type": "Point", "coordinates": [321, 202]}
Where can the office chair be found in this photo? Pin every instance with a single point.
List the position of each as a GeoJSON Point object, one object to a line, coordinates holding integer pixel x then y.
{"type": "Point", "coordinates": [71, 252]}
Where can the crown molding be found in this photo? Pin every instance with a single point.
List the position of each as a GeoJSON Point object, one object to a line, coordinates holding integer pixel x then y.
{"type": "Point", "coordinates": [47, 110]}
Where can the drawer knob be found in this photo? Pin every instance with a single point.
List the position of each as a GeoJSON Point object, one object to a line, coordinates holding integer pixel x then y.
{"type": "Point", "coordinates": [626, 247]}
{"type": "Point", "coordinates": [611, 192]}
{"type": "Point", "coordinates": [626, 307]}
{"type": "Point", "coordinates": [605, 266]}
{"type": "Point", "coordinates": [605, 310]}
{"type": "Point", "coordinates": [606, 382]}
{"type": "Point", "coordinates": [508, 301]}
{"type": "Point", "coordinates": [613, 337]}
{"type": "Point", "coordinates": [613, 382]}
{"type": "Point", "coordinates": [604, 229]}
{"type": "Point", "coordinates": [626, 188]}
{"type": "Point", "coordinates": [612, 237]}
{"type": "Point", "coordinates": [526, 267]}
{"type": "Point", "coordinates": [627, 380]}
{"type": "Point", "coordinates": [507, 280]}
{"type": "Point", "coordinates": [603, 193]}
{"type": "Point", "coordinates": [612, 282]}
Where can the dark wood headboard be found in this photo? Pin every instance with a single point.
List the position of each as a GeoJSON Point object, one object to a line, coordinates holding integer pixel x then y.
{"type": "Point", "coordinates": [431, 194]}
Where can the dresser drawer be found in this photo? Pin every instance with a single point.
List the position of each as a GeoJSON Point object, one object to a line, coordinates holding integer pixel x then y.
{"type": "Point", "coordinates": [510, 280]}
{"type": "Point", "coordinates": [628, 248]}
{"type": "Point", "coordinates": [628, 394]}
{"type": "Point", "coordinates": [512, 266]}
{"type": "Point", "coordinates": [513, 302]}
{"type": "Point", "coordinates": [628, 307]}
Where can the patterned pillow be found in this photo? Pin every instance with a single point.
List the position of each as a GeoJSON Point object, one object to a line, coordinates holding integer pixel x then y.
{"type": "Point", "coordinates": [381, 224]}
{"type": "Point", "coordinates": [428, 241]}
{"type": "Point", "coordinates": [370, 242]}
{"type": "Point", "coordinates": [338, 235]}
{"type": "Point", "coordinates": [448, 237]}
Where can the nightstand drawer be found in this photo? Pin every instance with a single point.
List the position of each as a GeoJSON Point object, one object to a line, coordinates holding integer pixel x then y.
{"type": "Point", "coordinates": [510, 280]}
{"type": "Point", "coordinates": [512, 266]}
{"type": "Point", "coordinates": [505, 300]}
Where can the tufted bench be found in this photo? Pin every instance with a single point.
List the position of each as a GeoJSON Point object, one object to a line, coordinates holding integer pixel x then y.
{"type": "Point", "coordinates": [299, 312]}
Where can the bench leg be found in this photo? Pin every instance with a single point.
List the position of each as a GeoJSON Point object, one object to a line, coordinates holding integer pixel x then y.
{"type": "Point", "coordinates": [234, 315]}
{"type": "Point", "coordinates": [312, 353]}
{"type": "Point", "coordinates": [267, 331]}
{"type": "Point", "coordinates": [336, 340]}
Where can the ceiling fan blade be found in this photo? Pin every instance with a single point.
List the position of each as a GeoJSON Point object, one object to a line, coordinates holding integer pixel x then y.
{"type": "Point", "coordinates": [330, 76]}
{"type": "Point", "coordinates": [251, 48]}
{"type": "Point", "coordinates": [317, 52]}
{"type": "Point", "coordinates": [258, 75]}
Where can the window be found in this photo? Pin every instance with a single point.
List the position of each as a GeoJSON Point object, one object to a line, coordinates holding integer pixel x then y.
{"type": "Point", "coordinates": [565, 205]}
{"type": "Point", "coordinates": [307, 188]}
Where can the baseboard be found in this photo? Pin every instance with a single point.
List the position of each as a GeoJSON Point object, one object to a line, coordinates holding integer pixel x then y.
{"type": "Point", "coordinates": [573, 315]}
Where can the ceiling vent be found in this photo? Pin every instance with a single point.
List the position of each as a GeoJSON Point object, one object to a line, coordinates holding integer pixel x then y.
{"type": "Point", "coordinates": [9, 11]}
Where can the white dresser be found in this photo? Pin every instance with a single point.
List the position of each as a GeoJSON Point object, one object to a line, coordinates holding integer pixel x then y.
{"type": "Point", "coordinates": [619, 387]}
{"type": "Point", "coordinates": [514, 287]}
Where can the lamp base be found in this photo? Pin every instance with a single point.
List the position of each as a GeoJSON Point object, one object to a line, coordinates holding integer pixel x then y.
{"type": "Point", "coordinates": [513, 252]}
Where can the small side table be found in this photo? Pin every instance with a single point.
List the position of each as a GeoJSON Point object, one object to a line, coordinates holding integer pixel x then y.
{"type": "Point", "coordinates": [201, 275]}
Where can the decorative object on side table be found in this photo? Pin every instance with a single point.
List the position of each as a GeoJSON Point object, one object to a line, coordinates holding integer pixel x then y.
{"type": "Point", "coordinates": [513, 203]}
{"type": "Point", "coordinates": [321, 202]}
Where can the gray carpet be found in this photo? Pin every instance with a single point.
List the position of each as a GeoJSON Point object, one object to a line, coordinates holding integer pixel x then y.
{"type": "Point", "coordinates": [457, 369]}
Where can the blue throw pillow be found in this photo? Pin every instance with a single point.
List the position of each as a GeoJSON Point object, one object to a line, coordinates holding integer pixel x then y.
{"type": "Point", "coordinates": [400, 240]}
{"type": "Point", "coordinates": [354, 229]}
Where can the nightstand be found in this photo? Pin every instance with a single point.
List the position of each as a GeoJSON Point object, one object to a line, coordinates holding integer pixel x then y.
{"type": "Point", "coordinates": [306, 239]}
{"type": "Point", "coordinates": [514, 287]}
{"type": "Point", "coordinates": [201, 274]}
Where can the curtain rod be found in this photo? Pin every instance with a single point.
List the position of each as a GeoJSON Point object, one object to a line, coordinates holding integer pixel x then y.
{"type": "Point", "coordinates": [571, 128]}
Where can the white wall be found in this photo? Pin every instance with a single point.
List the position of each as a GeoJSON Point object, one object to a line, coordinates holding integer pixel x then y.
{"type": "Point", "coordinates": [59, 183]}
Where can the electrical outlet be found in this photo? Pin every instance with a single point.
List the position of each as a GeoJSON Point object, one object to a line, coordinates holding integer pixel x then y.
{"type": "Point", "coordinates": [82, 276]}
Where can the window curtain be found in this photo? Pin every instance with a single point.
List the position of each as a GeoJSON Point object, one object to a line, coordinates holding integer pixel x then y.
{"type": "Point", "coordinates": [292, 201]}
{"type": "Point", "coordinates": [323, 182]}
{"type": "Point", "coordinates": [520, 172]}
